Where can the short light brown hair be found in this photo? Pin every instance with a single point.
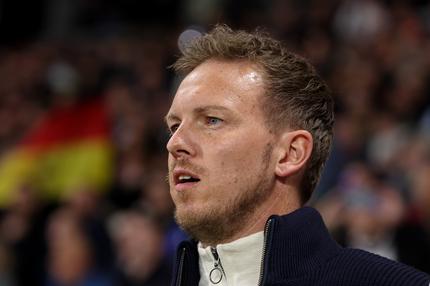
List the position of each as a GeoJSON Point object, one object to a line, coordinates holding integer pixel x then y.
{"type": "Point", "coordinates": [296, 95]}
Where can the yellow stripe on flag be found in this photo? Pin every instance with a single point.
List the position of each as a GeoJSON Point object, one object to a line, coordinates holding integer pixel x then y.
{"type": "Point", "coordinates": [84, 164]}
{"type": "Point", "coordinates": [16, 168]}
{"type": "Point", "coordinates": [59, 171]}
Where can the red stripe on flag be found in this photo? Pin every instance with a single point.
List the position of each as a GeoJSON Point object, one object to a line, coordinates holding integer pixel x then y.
{"type": "Point", "coordinates": [87, 120]}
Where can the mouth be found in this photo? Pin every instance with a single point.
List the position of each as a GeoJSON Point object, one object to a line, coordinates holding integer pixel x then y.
{"type": "Point", "coordinates": [183, 179]}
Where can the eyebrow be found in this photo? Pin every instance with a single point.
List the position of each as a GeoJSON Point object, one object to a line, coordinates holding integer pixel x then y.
{"type": "Point", "coordinates": [206, 108]}
{"type": "Point", "coordinates": [170, 117]}
{"type": "Point", "coordinates": [198, 110]}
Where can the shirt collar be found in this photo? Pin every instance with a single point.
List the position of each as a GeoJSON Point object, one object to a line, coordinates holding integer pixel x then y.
{"type": "Point", "coordinates": [240, 260]}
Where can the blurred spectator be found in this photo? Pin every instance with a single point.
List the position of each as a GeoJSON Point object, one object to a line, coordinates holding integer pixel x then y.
{"type": "Point", "coordinates": [71, 257]}
{"type": "Point", "coordinates": [369, 210]}
{"type": "Point", "coordinates": [88, 207]}
{"type": "Point", "coordinates": [156, 196]}
{"type": "Point", "coordinates": [22, 229]}
{"type": "Point", "coordinates": [138, 240]}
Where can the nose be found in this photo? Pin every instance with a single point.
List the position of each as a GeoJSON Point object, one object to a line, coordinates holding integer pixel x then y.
{"type": "Point", "coordinates": [180, 144]}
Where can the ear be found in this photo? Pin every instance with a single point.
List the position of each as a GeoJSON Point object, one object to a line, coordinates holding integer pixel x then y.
{"type": "Point", "coordinates": [295, 151]}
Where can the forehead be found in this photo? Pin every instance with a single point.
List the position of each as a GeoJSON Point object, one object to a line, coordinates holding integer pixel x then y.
{"type": "Point", "coordinates": [233, 85]}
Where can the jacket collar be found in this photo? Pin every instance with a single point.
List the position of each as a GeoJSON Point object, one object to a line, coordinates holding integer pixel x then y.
{"type": "Point", "coordinates": [294, 243]}
{"type": "Point", "coordinates": [186, 268]}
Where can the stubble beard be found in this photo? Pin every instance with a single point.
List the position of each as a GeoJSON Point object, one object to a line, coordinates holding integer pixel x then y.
{"type": "Point", "coordinates": [219, 224]}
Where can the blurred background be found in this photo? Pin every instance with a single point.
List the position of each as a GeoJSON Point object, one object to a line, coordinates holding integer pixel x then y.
{"type": "Point", "coordinates": [84, 87]}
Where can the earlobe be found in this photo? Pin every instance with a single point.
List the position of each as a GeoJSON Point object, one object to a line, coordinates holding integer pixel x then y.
{"type": "Point", "coordinates": [296, 148]}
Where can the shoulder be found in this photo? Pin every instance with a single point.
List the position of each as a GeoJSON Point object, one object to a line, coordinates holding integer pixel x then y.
{"type": "Point", "coordinates": [364, 268]}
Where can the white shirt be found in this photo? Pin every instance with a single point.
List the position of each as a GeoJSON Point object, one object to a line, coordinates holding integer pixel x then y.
{"type": "Point", "coordinates": [240, 262]}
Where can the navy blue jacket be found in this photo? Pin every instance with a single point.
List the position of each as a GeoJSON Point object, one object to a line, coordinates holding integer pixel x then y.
{"type": "Point", "coordinates": [299, 251]}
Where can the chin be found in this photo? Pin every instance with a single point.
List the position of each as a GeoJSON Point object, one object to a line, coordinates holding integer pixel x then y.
{"type": "Point", "coordinates": [186, 211]}
{"type": "Point", "coordinates": [187, 214]}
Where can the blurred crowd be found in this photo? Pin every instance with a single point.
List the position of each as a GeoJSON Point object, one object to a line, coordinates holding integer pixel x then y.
{"type": "Point", "coordinates": [375, 190]}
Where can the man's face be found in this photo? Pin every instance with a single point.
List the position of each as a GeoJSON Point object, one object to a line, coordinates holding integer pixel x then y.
{"type": "Point", "coordinates": [220, 152]}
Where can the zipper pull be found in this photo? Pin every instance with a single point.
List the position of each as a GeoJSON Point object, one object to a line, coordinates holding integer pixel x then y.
{"type": "Point", "coordinates": [217, 273]}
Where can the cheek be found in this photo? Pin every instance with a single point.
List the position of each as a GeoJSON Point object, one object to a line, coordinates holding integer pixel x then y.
{"type": "Point", "coordinates": [241, 156]}
{"type": "Point", "coordinates": [236, 161]}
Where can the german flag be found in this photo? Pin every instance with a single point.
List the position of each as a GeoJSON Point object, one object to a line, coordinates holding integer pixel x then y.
{"type": "Point", "coordinates": [69, 149]}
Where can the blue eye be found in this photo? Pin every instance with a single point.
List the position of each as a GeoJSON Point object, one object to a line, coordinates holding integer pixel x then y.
{"type": "Point", "coordinates": [173, 128]}
{"type": "Point", "coordinates": [213, 120]}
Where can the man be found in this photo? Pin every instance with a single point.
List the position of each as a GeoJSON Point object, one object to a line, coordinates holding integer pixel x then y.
{"type": "Point", "coordinates": [251, 126]}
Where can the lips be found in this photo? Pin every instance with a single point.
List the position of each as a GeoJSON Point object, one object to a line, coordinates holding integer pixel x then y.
{"type": "Point", "coordinates": [184, 179]}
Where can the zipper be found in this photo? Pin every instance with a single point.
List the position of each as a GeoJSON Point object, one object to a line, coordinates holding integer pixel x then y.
{"type": "Point", "coordinates": [180, 268]}
{"type": "Point", "coordinates": [217, 273]}
{"type": "Point", "coordinates": [263, 256]}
